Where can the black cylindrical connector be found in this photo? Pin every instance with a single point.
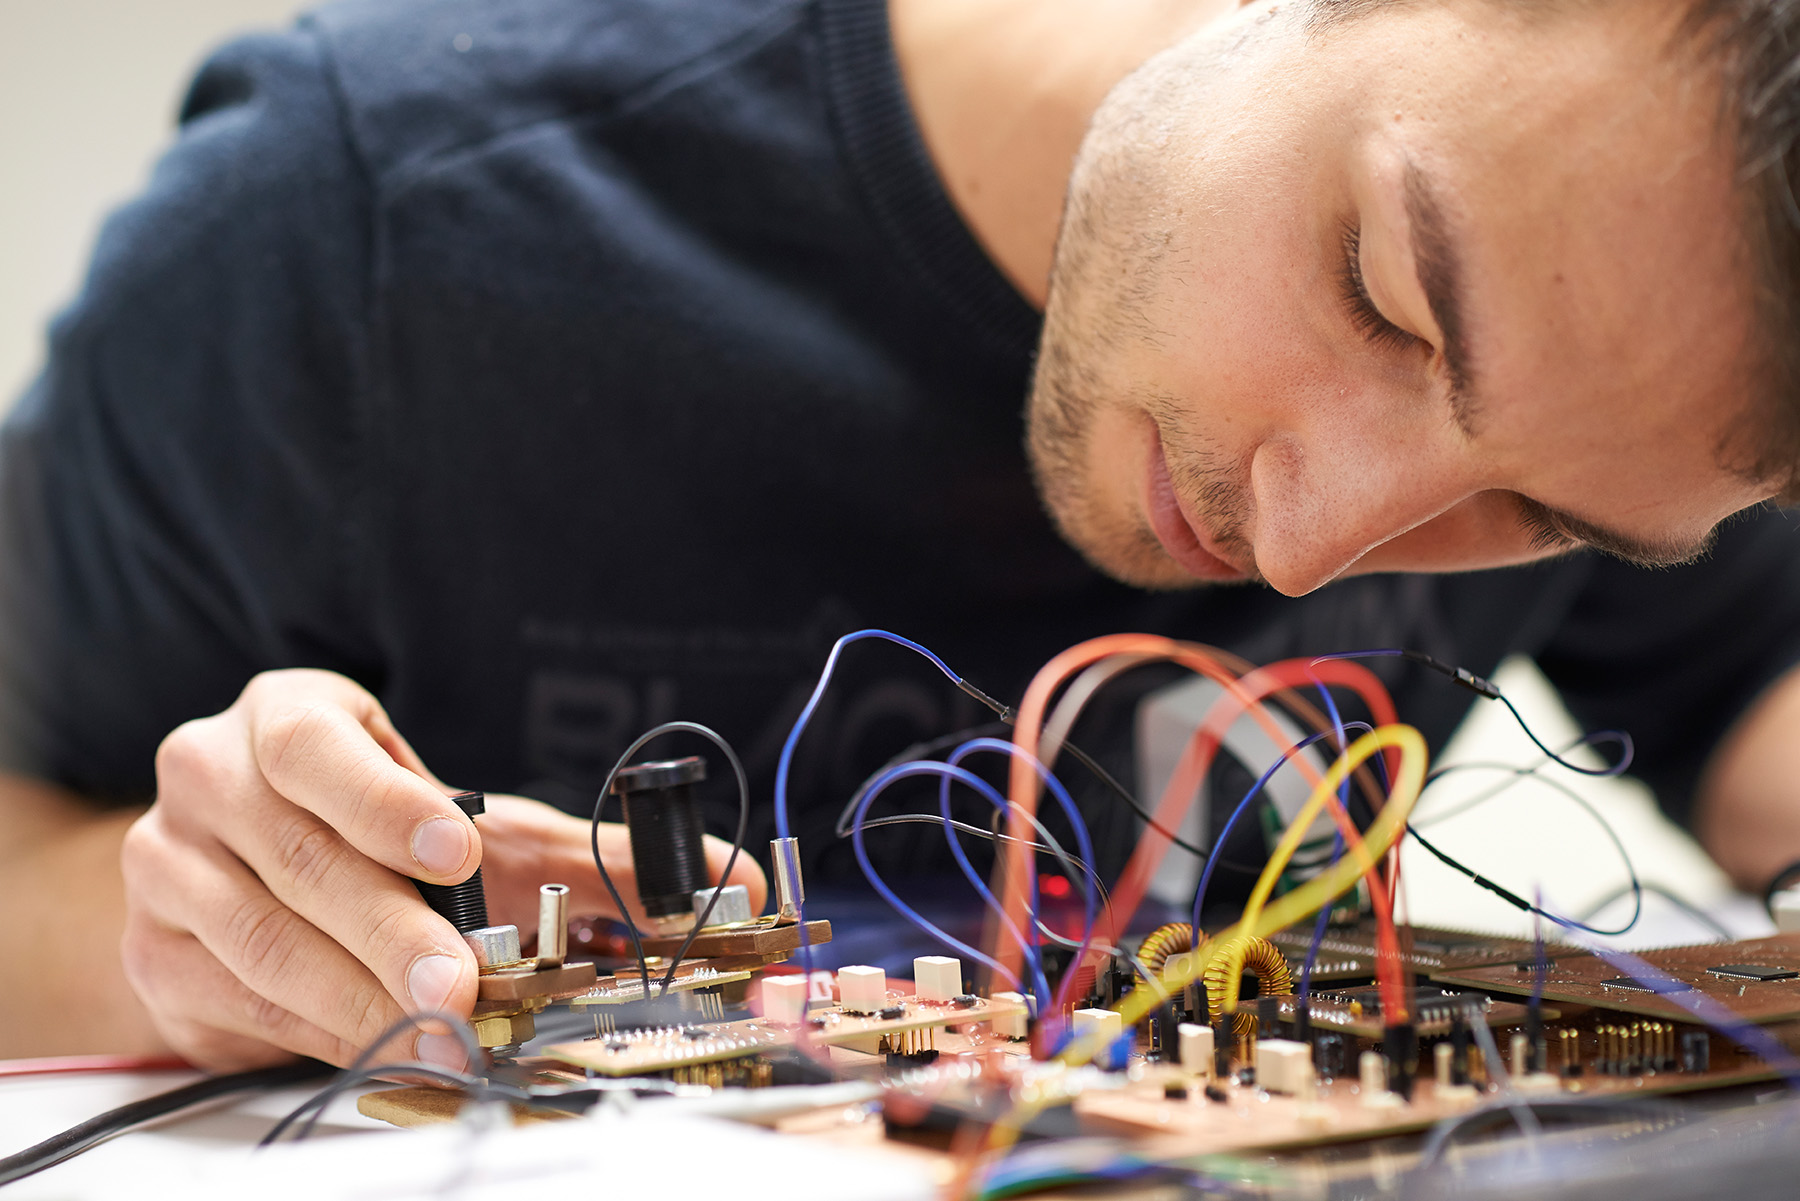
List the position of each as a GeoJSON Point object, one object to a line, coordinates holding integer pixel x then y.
{"type": "Point", "coordinates": [462, 905]}
{"type": "Point", "coordinates": [667, 847]}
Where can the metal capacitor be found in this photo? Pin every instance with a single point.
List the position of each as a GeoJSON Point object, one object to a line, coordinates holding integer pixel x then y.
{"type": "Point", "coordinates": [666, 834]}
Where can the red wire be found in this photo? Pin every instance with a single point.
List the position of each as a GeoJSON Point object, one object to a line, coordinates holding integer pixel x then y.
{"type": "Point", "coordinates": [67, 1064]}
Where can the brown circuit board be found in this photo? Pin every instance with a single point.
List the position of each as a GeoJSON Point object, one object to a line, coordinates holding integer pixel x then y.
{"type": "Point", "coordinates": [1348, 952]}
{"type": "Point", "coordinates": [1757, 980]}
{"type": "Point", "coordinates": [1356, 1012]}
{"type": "Point", "coordinates": [750, 940]}
{"type": "Point", "coordinates": [636, 1052]}
{"type": "Point", "coordinates": [1251, 1118]}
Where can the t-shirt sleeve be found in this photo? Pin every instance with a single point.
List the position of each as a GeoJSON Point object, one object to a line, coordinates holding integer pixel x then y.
{"type": "Point", "coordinates": [177, 487]}
{"type": "Point", "coordinates": [1675, 657]}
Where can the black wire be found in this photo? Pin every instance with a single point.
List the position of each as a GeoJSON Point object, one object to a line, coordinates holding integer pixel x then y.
{"type": "Point", "coordinates": [1682, 903]}
{"type": "Point", "coordinates": [1483, 687]}
{"type": "Point", "coordinates": [637, 942]}
{"type": "Point", "coordinates": [1519, 902]}
{"type": "Point", "coordinates": [77, 1139]}
{"type": "Point", "coordinates": [326, 1095]}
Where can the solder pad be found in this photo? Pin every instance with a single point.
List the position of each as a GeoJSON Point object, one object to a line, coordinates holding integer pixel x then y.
{"type": "Point", "coordinates": [1588, 980]}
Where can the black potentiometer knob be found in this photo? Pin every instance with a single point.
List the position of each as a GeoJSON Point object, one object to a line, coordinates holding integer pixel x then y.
{"type": "Point", "coordinates": [667, 848]}
{"type": "Point", "coordinates": [462, 905]}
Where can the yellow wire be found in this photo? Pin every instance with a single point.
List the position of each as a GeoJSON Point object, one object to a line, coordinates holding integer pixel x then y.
{"type": "Point", "coordinates": [1316, 893]}
{"type": "Point", "coordinates": [1258, 921]}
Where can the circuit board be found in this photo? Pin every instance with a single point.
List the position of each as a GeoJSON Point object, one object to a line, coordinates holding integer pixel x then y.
{"type": "Point", "coordinates": [1248, 1117]}
{"type": "Point", "coordinates": [1348, 952]}
{"type": "Point", "coordinates": [1756, 980]}
{"type": "Point", "coordinates": [907, 1027]}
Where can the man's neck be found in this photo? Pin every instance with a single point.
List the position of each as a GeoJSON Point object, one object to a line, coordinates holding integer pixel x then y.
{"type": "Point", "coordinates": [1003, 91]}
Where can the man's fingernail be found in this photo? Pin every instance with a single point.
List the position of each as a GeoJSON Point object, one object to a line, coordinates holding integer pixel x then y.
{"type": "Point", "coordinates": [441, 1050]}
{"type": "Point", "coordinates": [429, 981]}
{"type": "Point", "coordinates": [440, 844]}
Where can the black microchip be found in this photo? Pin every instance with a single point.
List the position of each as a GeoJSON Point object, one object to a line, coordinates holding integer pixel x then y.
{"type": "Point", "coordinates": [1661, 988]}
{"type": "Point", "coordinates": [1751, 971]}
{"type": "Point", "coordinates": [695, 1033]}
{"type": "Point", "coordinates": [892, 1012]}
{"type": "Point", "coordinates": [965, 1001]}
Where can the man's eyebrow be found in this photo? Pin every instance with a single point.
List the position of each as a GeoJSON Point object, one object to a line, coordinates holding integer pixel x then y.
{"type": "Point", "coordinates": [1642, 552]}
{"type": "Point", "coordinates": [1440, 277]}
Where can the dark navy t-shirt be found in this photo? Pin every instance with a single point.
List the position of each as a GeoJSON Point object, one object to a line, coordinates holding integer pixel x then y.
{"type": "Point", "coordinates": [559, 367]}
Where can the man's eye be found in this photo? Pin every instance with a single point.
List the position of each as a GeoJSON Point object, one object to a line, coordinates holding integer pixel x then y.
{"type": "Point", "coordinates": [1367, 319]}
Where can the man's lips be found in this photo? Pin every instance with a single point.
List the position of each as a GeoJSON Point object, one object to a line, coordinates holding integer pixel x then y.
{"type": "Point", "coordinates": [1178, 536]}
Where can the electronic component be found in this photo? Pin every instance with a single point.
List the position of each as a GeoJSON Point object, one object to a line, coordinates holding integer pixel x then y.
{"type": "Point", "coordinates": [1284, 1066]}
{"type": "Point", "coordinates": [1750, 971]}
{"type": "Point", "coordinates": [862, 989]}
{"type": "Point", "coordinates": [553, 925]}
{"type": "Point", "coordinates": [784, 999]}
{"type": "Point", "coordinates": [790, 886]}
{"type": "Point", "coordinates": [1015, 1025]}
{"type": "Point", "coordinates": [731, 909]}
{"type": "Point", "coordinates": [1372, 1078]}
{"type": "Point", "coordinates": [1196, 1046]}
{"type": "Point", "coordinates": [667, 847]}
{"type": "Point", "coordinates": [1085, 1023]}
{"type": "Point", "coordinates": [937, 977]}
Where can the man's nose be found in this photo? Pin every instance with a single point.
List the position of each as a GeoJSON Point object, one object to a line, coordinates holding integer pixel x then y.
{"type": "Point", "coordinates": [1320, 508]}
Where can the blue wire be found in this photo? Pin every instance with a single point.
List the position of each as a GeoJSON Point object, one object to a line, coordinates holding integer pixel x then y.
{"type": "Point", "coordinates": [1082, 839]}
{"type": "Point", "coordinates": [1212, 859]}
{"type": "Point", "coordinates": [812, 703]}
{"type": "Point", "coordinates": [1337, 849]}
{"type": "Point", "coordinates": [782, 829]}
{"type": "Point", "coordinates": [928, 767]}
{"type": "Point", "coordinates": [1318, 935]}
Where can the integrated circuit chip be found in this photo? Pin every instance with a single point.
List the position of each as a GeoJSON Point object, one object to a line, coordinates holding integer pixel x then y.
{"type": "Point", "coordinates": [1752, 971]}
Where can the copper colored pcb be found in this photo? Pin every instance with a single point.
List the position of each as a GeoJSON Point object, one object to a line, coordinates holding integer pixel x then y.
{"type": "Point", "coordinates": [1588, 980]}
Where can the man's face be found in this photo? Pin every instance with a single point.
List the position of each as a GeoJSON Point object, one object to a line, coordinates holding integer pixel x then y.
{"type": "Point", "coordinates": [1436, 288]}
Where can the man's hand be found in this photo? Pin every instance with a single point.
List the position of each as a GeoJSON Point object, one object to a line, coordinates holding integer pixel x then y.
{"type": "Point", "coordinates": [269, 899]}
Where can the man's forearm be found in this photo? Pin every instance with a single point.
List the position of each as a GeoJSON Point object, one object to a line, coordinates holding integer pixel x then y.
{"type": "Point", "coordinates": [62, 898]}
{"type": "Point", "coordinates": [1748, 811]}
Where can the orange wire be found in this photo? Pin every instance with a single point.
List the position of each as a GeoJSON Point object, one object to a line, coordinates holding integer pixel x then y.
{"type": "Point", "coordinates": [1252, 689]}
{"type": "Point", "coordinates": [1023, 780]}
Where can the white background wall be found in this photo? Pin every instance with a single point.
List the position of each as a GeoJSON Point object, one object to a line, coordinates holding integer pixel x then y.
{"type": "Point", "coordinates": [88, 94]}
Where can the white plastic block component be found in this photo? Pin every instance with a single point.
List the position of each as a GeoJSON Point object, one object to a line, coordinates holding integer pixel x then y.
{"type": "Point", "coordinates": [784, 999]}
{"type": "Point", "coordinates": [1196, 1044]}
{"type": "Point", "coordinates": [1284, 1066]}
{"type": "Point", "coordinates": [1104, 1021]}
{"type": "Point", "coordinates": [1785, 906]}
{"type": "Point", "coordinates": [937, 977]}
{"type": "Point", "coordinates": [1014, 1025]}
{"type": "Point", "coordinates": [862, 989]}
